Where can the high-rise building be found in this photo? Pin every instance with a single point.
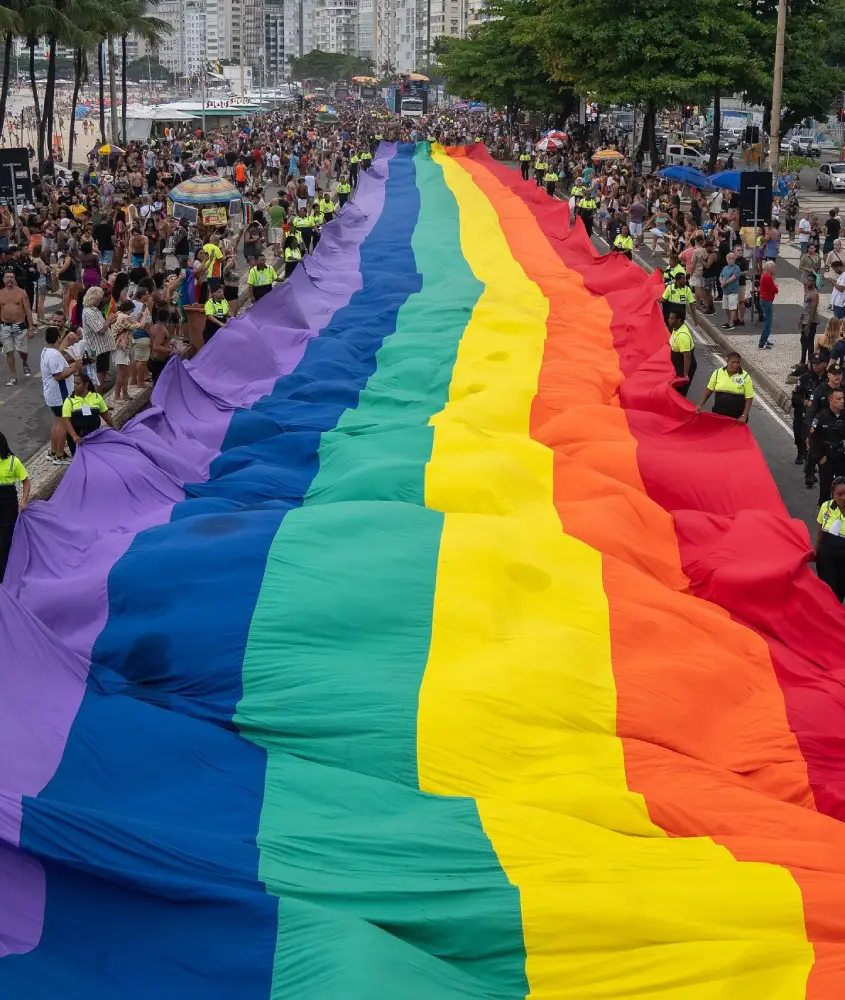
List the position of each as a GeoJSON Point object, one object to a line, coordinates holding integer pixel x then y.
{"type": "Point", "coordinates": [405, 31]}
{"type": "Point", "coordinates": [336, 26]}
{"type": "Point", "coordinates": [299, 28]}
{"type": "Point", "coordinates": [274, 42]}
{"type": "Point", "coordinates": [367, 27]}
{"type": "Point", "coordinates": [183, 48]}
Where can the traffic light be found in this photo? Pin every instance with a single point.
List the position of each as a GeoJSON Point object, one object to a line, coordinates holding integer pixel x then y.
{"type": "Point", "coordinates": [687, 111]}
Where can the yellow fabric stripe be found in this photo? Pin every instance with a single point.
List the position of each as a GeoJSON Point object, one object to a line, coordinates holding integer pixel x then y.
{"type": "Point", "coordinates": [518, 703]}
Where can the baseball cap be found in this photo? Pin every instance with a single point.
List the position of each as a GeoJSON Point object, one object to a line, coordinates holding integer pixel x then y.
{"type": "Point", "coordinates": [816, 359]}
{"type": "Point", "coordinates": [837, 369]}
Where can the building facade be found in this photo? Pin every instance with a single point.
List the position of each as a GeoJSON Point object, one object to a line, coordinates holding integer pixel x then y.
{"type": "Point", "coordinates": [299, 20]}
{"type": "Point", "coordinates": [336, 26]}
{"type": "Point", "coordinates": [183, 49]}
{"type": "Point", "coordinates": [275, 69]}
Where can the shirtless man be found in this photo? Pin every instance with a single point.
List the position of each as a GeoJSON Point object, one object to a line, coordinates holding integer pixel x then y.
{"type": "Point", "coordinates": [14, 312]}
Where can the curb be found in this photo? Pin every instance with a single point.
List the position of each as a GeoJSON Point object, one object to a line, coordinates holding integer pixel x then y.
{"type": "Point", "coordinates": [46, 476]}
{"type": "Point", "coordinates": [780, 396]}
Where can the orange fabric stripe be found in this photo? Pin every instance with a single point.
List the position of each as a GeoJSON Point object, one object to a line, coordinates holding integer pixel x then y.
{"type": "Point", "coordinates": [713, 755]}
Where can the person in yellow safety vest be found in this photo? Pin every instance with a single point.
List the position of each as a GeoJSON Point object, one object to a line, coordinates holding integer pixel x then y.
{"type": "Point", "coordinates": [327, 208]}
{"type": "Point", "coordinates": [83, 410]}
{"type": "Point", "coordinates": [577, 190]}
{"type": "Point", "coordinates": [624, 243]}
{"type": "Point", "coordinates": [304, 224]}
{"type": "Point", "coordinates": [551, 178]}
{"type": "Point", "coordinates": [478, 139]}
{"type": "Point", "coordinates": [524, 164]}
{"type": "Point", "coordinates": [677, 296]}
{"type": "Point", "coordinates": [587, 210]}
{"type": "Point", "coordinates": [830, 540]}
{"type": "Point", "coordinates": [344, 189]}
{"type": "Point", "coordinates": [260, 279]}
{"type": "Point", "coordinates": [539, 169]}
{"type": "Point", "coordinates": [353, 169]}
{"type": "Point", "coordinates": [733, 388]}
{"type": "Point", "coordinates": [216, 314]}
{"type": "Point", "coordinates": [366, 159]}
{"type": "Point", "coordinates": [319, 219]}
{"type": "Point", "coordinates": [12, 471]}
{"type": "Point", "coordinates": [682, 351]}
{"type": "Point", "coordinates": [292, 255]}
{"type": "Point", "coordinates": [672, 268]}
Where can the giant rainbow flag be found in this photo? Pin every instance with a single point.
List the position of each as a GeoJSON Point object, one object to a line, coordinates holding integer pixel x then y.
{"type": "Point", "coordinates": [420, 642]}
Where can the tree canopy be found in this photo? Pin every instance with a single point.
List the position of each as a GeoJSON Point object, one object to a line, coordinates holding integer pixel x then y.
{"type": "Point", "coordinates": [532, 51]}
{"type": "Point", "coordinates": [328, 67]}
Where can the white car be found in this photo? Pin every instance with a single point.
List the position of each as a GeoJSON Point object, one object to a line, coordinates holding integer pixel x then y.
{"type": "Point", "coordinates": [830, 177]}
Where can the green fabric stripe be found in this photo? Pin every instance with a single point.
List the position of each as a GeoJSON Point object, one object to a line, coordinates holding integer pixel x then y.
{"type": "Point", "coordinates": [382, 888]}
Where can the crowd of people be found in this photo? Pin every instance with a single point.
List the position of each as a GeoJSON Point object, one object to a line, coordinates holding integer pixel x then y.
{"type": "Point", "coordinates": [126, 270]}
{"type": "Point", "coordinates": [715, 260]}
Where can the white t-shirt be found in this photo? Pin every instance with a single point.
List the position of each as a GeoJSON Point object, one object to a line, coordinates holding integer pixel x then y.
{"type": "Point", "coordinates": [804, 230]}
{"type": "Point", "coordinates": [52, 363]}
{"type": "Point", "coordinates": [837, 297]}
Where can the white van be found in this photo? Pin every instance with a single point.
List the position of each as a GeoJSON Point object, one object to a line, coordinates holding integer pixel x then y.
{"type": "Point", "coordinates": [684, 156]}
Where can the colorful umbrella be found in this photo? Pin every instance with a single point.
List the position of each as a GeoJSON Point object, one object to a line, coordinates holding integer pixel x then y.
{"type": "Point", "coordinates": [324, 109]}
{"type": "Point", "coordinates": [548, 143]}
{"type": "Point", "coordinates": [608, 154]}
{"type": "Point", "coordinates": [204, 190]}
{"type": "Point", "coordinates": [108, 148]}
{"type": "Point", "coordinates": [556, 134]}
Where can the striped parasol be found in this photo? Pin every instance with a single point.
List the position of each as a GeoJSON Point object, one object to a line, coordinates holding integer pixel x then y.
{"type": "Point", "coordinates": [204, 190]}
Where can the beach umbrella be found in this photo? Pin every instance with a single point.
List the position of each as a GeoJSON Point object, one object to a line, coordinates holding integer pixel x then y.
{"type": "Point", "coordinates": [108, 148]}
{"type": "Point", "coordinates": [546, 144]}
{"type": "Point", "coordinates": [418, 76]}
{"type": "Point", "coordinates": [556, 134]}
{"type": "Point", "coordinates": [204, 189]}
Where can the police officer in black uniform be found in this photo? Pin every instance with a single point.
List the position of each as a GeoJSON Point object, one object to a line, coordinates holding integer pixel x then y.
{"type": "Point", "coordinates": [818, 403]}
{"type": "Point", "coordinates": [802, 393]}
{"type": "Point", "coordinates": [827, 441]}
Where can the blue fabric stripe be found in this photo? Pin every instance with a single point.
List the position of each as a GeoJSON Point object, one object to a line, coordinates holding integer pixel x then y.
{"type": "Point", "coordinates": [148, 829]}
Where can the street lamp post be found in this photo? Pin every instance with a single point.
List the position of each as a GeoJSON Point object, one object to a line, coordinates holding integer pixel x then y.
{"type": "Point", "coordinates": [777, 90]}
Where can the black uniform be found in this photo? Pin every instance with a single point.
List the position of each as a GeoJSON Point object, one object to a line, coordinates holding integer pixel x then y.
{"type": "Point", "coordinates": [827, 440]}
{"type": "Point", "coordinates": [801, 395]}
{"type": "Point", "coordinates": [818, 404]}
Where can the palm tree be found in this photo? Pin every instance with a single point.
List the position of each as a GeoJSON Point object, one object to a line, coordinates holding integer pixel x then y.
{"type": "Point", "coordinates": [10, 25]}
{"type": "Point", "coordinates": [136, 21]}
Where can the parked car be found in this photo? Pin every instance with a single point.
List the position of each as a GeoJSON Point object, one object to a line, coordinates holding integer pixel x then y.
{"type": "Point", "coordinates": [830, 177]}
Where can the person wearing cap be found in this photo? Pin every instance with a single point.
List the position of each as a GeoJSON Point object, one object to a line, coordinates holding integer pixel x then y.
{"type": "Point", "coordinates": [672, 268]}
{"type": "Point", "coordinates": [826, 441]}
{"type": "Point", "coordinates": [624, 243]}
{"type": "Point", "coordinates": [830, 539]}
{"type": "Point", "coordinates": [551, 178]}
{"type": "Point", "coordinates": [732, 389]}
{"type": "Point", "coordinates": [802, 393]}
{"type": "Point", "coordinates": [676, 297]}
{"type": "Point", "coordinates": [681, 349]}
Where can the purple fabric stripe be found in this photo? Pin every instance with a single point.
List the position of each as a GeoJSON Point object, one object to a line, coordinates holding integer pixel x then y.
{"type": "Point", "coordinates": [54, 601]}
{"type": "Point", "coordinates": [121, 484]}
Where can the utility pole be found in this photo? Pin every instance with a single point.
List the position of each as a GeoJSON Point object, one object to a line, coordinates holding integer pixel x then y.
{"type": "Point", "coordinates": [777, 90]}
{"type": "Point", "coordinates": [112, 88]}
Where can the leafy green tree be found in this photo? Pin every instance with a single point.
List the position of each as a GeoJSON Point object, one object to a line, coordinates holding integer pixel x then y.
{"type": "Point", "coordinates": [329, 67]}
{"type": "Point", "coordinates": [814, 58]}
{"type": "Point", "coordinates": [499, 63]}
{"type": "Point", "coordinates": [647, 53]}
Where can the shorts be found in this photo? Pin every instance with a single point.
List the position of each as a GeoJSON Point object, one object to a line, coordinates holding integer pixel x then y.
{"type": "Point", "coordinates": [274, 235]}
{"type": "Point", "coordinates": [231, 293]}
{"type": "Point", "coordinates": [731, 301]}
{"type": "Point", "coordinates": [106, 257]}
{"type": "Point", "coordinates": [711, 284]}
{"type": "Point", "coordinates": [635, 228]}
{"type": "Point", "coordinates": [13, 338]}
{"type": "Point", "coordinates": [120, 357]}
{"type": "Point", "coordinates": [141, 348]}
{"type": "Point", "coordinates": [696, 281]}
{"type": "Point", "coordinates": [56, 410]}
{"type": "Point", "coordinates": [42, 285]}
{"type": "Point", "coordinates": [138, 260]}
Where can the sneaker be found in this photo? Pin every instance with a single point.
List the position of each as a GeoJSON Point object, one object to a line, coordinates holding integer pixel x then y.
{"type": "Point", "coordinates": [26, 372]}
{"type": "Point", "coordinates": [768, 347]}
{"type": "Point", "coordinates": [799, 459]}
{"type": "Point", "coordinates": [12, 381]}
{"type": "Point", "coordinates": [728, 326]}
{"type": "Point", "coordinates": [60, 459]}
